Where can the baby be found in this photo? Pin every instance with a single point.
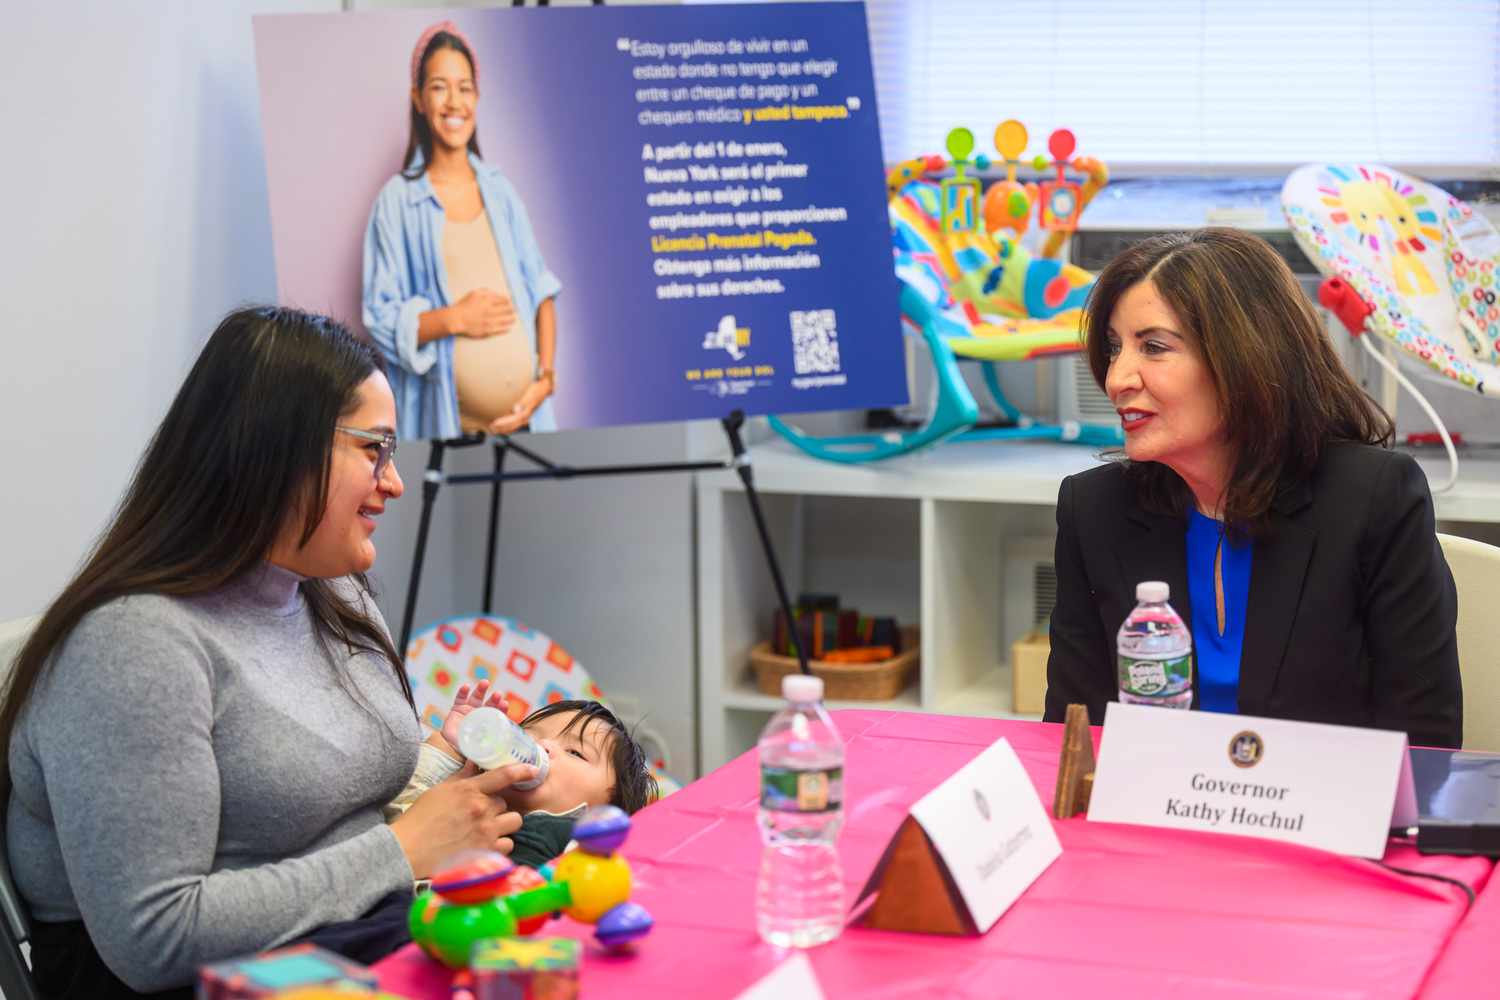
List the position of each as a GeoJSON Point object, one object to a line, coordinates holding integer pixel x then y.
{"type": "Point", "coordinates": [592, 761]}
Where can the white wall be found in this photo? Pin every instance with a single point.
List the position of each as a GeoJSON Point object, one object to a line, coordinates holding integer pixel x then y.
{"type": "Point", "coordinates": [135, 216]}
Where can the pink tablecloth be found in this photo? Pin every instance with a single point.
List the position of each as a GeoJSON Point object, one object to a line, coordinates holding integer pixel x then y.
{"type": "Point", "coordinates": [1466, 969]}
{"type": "Point", "coordinates": [1126, 911]}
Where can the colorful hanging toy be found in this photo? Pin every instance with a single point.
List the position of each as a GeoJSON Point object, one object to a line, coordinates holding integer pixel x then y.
{"type": "Point", "coordinates": [481, 894]}
{"type": "Point", "coordinates": [970, 289]}
{"type": "Point", "coordinates": [1007, 204]}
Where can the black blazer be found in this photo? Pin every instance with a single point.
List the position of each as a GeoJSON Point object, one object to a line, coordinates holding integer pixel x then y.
{"type": "Point", "coordinates": [1351, 613]}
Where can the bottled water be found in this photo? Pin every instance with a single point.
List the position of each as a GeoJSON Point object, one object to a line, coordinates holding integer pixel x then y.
{"type": "Point", "coordinates": [1155, 651]}
{"type": "Point", "coordinates": [799, 901]}
{"type": "Point", "coordinates": [488, 738]}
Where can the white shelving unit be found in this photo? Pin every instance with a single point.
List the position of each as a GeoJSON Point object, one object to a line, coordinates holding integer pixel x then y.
{"type": "Point", "coordinates": [922, 537]}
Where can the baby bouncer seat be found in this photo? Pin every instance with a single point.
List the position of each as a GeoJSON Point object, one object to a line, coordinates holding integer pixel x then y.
{"type": "Point", "coordinates": [1408, 262]}
{"type": "Point", "coordinates": [531, 669]}
{"type": "Point", "coordinates": [970, 290]}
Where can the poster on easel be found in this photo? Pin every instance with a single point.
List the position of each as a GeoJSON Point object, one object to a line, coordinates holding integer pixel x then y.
{"type": "Point", "coordinates": [583, 217]}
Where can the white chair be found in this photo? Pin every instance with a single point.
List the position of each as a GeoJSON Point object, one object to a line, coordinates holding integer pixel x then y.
{"type": "Point", "coordinates": [1476, 573]}
{"type": "Point", "coordinates": [15, 974]}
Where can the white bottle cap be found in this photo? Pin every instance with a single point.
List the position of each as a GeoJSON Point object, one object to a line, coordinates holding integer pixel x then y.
{"type": "Point", "coordinates": [802, 687]}
{"type": "Point", "coordinates": [1153, 591]}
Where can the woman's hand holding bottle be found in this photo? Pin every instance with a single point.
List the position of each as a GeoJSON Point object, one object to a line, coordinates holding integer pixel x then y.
{"type": "Point", "coordinates": [462, 813]}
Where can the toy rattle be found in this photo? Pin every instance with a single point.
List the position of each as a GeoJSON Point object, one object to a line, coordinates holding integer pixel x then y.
{"type": "Point", "coordinates": [960, 194]}
{"type": "Point", "coordinates": [1007, 204]}
{"type": "Point", "coordinates": [482, 894]}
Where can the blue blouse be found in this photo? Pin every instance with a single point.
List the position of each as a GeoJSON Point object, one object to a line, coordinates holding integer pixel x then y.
{"type": "Point", "coordinates": [1218, 655]}
{"type": "Point", "coordinates": [404, 277]}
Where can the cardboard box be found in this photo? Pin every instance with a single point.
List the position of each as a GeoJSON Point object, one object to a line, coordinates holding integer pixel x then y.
{"type": "Point", "coordinates": [1028, 673]}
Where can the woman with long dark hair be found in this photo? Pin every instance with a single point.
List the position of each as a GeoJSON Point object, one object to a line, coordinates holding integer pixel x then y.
{"type": "Point", "coordinates": [1258, 482]}
{"type": "Point", "coordinates": [456, 293]}
{"type": "Point", "coordinates": [206, 722]}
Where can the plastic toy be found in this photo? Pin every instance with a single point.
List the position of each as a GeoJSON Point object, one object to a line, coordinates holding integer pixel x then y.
{"type": "Point", "coordinates": [960, 193]}
{"type": "Point", "coordinates": [975, 292]}
{"type": "Point", "coordinates": [300, 967]}
{"type": "Point", "coordinates": [480, 894]}
{"type": "Point", "coordinates": [1062, 199]}
{"type": "Point", "coordinates": [508, 969]}
{"type": "Point", "coordinates": [1008, 203]}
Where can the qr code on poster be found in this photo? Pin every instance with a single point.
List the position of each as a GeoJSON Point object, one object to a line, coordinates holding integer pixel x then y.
{"type": "Point", "coordinates": [815, 342]}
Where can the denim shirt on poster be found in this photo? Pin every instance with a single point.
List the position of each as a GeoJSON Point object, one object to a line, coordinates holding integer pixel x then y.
{"type": "Point", "coordinates": [404, 277]}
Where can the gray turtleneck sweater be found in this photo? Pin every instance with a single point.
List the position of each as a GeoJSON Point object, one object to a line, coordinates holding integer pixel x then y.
{"type": "Point", "coordinates": [163, 791]}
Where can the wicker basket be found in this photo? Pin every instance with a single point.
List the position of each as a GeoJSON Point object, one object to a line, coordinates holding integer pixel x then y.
{"type": "Point", "coordinates": [879, 681]}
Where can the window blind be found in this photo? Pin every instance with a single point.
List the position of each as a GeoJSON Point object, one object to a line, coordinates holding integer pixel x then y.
{"type": "Point", "coordinates": [1197, 82]}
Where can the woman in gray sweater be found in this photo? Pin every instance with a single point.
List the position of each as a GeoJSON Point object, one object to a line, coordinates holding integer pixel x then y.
{"type": "Point", "coordinates": [207, 721]}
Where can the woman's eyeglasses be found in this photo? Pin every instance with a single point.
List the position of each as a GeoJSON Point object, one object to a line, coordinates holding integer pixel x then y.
{"type": "Point", "coordinates": [387, 446]}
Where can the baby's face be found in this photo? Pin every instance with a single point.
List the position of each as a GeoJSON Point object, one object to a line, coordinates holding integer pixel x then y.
{"type": "Point", "coordinates": [579, 768]}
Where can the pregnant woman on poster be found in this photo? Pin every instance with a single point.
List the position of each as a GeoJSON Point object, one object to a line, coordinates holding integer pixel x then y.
{"type": "Point", "coordinates": [456, 293]}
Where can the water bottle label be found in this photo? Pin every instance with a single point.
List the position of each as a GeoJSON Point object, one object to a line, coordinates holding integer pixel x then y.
{"type": "Point", "coordinates": [1148, 678]}
{"type": "Point", "coordinates": [786, 790]}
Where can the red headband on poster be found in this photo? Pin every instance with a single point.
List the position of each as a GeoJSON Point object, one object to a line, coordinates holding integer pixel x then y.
{"type": "Point", "coordinates": [420, 52]}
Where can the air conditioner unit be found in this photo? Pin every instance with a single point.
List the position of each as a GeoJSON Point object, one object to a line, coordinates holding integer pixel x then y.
{"type": "Point", "coordinates": [1030, 583]}
{"type": "Point", "coordinates": [1078, 397]}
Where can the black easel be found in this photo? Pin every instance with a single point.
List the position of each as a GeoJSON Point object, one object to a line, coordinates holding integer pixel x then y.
{"type": "Point", "coordinates": [433, 479]}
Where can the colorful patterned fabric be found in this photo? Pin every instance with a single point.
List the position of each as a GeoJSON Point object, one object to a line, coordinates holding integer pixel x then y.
{"type": "Point", "coordinates": [529, 667]}
{"type": "Point", "coordinates": [1422, 258]}
{"type": "Point", "coordinates": [1012, 305]}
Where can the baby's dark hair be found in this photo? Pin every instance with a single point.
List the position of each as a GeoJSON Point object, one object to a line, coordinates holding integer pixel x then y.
{"type": "Point", "coordinates": [634, 787]}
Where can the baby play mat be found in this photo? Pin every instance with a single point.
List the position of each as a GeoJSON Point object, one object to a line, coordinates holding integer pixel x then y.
{"type": "Point", "coordinates": [1423, 259]}
{"type": "Point", "coordinates": [529, 667]}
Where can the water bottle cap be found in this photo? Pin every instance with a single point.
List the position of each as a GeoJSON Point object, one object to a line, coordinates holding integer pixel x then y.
{"type": "Point", "coordinates": [802, 687]}
{"type": "Point", "coordinates": [1153, 591]}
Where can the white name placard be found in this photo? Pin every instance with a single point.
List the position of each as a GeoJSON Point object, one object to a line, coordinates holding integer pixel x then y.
{"type": "Point", "coordinates": [1333, 787]}
{"type": "Point", "coordinates": [793, 979]}
{"type": "Point", "coordinates": [991, 830]}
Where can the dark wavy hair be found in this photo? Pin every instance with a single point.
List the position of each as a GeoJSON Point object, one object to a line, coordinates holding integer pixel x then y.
{"type": "Point", "coordinates": [1281, 387]}
{"type": "Point", "coordinates": [634, 787]}
{"type": "Point", "coordinates": [244, 451]}
{"type": "Point", "coordinates": [419, 138]}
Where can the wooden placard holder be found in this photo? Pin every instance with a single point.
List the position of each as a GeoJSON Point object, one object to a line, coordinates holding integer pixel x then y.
{"type": "Point", "coordinates": [916, 892]}
{"type": "Point", "coordinates": [1075, 769]}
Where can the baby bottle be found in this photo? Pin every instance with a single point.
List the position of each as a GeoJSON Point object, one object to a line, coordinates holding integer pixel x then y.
{"type": "Point", "coordinates": [488, 738]}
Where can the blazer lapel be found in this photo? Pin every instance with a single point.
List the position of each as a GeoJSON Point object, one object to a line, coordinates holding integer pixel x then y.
{"type": "Point", "coordinates": [1277, 569]}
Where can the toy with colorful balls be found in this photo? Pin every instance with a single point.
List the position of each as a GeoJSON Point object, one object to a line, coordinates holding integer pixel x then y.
{"type": "Point", "coordinates": [482, 894]}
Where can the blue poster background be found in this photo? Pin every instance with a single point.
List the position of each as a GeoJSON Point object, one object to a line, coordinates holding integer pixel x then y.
{"type": "Point", "coordinates": [576, 108]}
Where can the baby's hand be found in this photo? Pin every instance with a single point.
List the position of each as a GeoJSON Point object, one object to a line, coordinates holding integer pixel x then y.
{"type": "Point", "coordinates": [465, 702]}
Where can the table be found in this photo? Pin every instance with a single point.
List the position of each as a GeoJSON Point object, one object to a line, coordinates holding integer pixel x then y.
{"type": "Point", "coordinates": [1126, 911]}
{"type": "Point", "coordinates": [1466, 969]}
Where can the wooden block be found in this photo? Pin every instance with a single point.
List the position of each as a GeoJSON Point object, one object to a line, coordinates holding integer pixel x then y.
{"type": "Point", "coordinates": [1028, 673]}
{"type": "Point", "coordinates": [916, 892]}
{"type": "Point", "coordinates": [1075, 768]}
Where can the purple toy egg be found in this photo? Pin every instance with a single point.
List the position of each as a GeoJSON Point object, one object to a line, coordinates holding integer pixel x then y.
{"type": "Point", "coordinates": [602, 830]}
{"type": "Point", "coordinates": [471, 876]}
{"type": "Point", "coordinates": [623, 924]}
